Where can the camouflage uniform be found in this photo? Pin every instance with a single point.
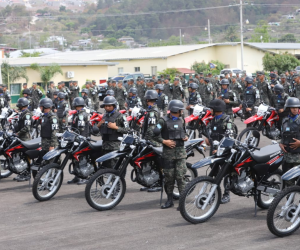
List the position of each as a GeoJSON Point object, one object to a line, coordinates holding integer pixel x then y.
{"type": "Point", "coordinates": [297, 90]}
{"type": "Point", "coordinates": [162, 104]}
{"type": "Point", "coordinates": [95, 98]}
{"type": "Point", "coordinates": [237, 89]}
{"type": "Point", "coordinates": [184, 85]}
{"type": "Point", "coordinates": [62, 114]}
{"type": "Point", "coordinates": [36, 95]}
{"type": "Point", "coordinates": [265, 92]}
{"type": "Point", "coordinates": [178, 93]}
{"type": "Point", "coordinates": [121, 96]}
{"type": "Point", "coordinates": [206, 93]}
{"type": "Point", "coordinates": [50, 92]}
{"type": "Point", "coordinates": [141, 92]}
{"type": "Point", "coordinates": [74, 93]}
{"type": "Point", "coordinates": [168, 90]}
{"type": "Point", "coordinates": [50, 139]}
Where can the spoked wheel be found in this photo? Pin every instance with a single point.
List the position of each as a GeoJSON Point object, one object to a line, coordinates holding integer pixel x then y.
{"type": "Point", "coordinates": [282, 219]}
{"type": "Point", "coordinates": [265, 199]}
{"type": "Point", "coordinates": [5, 172]}
{"type": "Point", "coordinates": [47, 182]}
{"type": "Point", "coordinates": [200, 200]}
{"type": "Point", "coordinates": [246, 136]}
{"type": "Point", "coordinates": [105, 189]}
{"type": "Point", "coordinates": [190, 175]}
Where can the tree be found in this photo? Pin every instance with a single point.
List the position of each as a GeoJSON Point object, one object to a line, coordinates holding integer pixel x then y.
{"type": "Point", "coordinates": [12, 74]}
{"type": "Point", "coordinates": [100, 4]}
{"type": "Point", "coordinates": [288, 38]}
{"type": "Point", "coordinates": [113, 41]}
{"type": "Point", "coordinates": [170, 71]}
{"type": "Point", "coordinates": [206, 68]}
{"type": "Point", "coordinates": [280, 62]}
{"type": "Point", "coordinates": [47, 72]}
{"type": "Point", "coordinates": [62, 8]}
{"type": "Point", "coordinates": [231, 34]}
{"type": "Point", "coordinates": [261, 33]}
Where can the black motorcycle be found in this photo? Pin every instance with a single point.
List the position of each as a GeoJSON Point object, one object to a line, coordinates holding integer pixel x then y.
{"type": "Point", "coordinates": [82, 153]}
{"type": "Point", "coordinates": [107, 187]}
{"type": "Point", "coordinates": [245, 171]}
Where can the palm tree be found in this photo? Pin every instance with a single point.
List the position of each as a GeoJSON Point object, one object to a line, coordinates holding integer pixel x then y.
{"type": "Point", "coordinates": [47, 72]}
{"type": "Point", "coordinates": [11, 74]}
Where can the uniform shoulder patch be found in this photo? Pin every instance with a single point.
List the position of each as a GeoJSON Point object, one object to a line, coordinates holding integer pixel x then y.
{"type": "Point", "coordinates": [54, 120]}
{"type": "Point", "coordinates": [27, 117]}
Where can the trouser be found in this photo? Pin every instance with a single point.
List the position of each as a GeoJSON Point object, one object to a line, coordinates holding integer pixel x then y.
{"type": "Point", "coordinates": [96, 106]}
{"type": "Point", "coordinates": [174, 170]}
{"type": "Point", "coordinates": [61, 124]}
{"type": "Point", "coordinates": [186, 93]}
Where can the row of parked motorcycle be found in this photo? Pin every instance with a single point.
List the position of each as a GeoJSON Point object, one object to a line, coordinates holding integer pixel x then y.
{"type": "Point", "coordinates": [242, 167]}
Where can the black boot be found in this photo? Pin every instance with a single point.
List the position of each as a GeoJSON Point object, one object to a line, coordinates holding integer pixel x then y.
{"type": "Point", "coordinates": [82, 182]}
{"type": "Point", "coordinates": [75, 180]}
{"type": "Point", "coordinates": [154, 189]}
{"type": "Point", "coordinates": [169, 202]}
{"type": "Point", "coordinates": [143, 189]}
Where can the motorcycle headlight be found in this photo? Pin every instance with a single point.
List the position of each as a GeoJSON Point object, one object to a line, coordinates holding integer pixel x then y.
{"type": "Point", "coordinates": [63, 143]}
{"type": "Point", "coordinates": [220, 151]}
{"type": "Point", "coordinates": [122, 146]}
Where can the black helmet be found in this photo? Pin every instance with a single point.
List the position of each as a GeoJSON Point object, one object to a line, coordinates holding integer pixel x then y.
{"type": "Point", "coordinates": [85, 91]}
{"type": "Point", "coordinates": [78, 101]}
{"type": "Point", "coordinates": [193, 85]}
{"type": "Point", "coordinates": [54, 93]}
{"type": "Point", "coordinates": [249, 79]}
{"type": "Point", "coordinates": [46, 103]}
{"type": "Point", "coordinates": [224, 82]}
{"type": "Point", "coordinates": [151, 95]}
{"type": "Point", "coordinates": [61, 95]}
{"type": "Point", "coordinates": [273, 75]}
{"type": "Point", "coordinates": [22, 102]}
{"type": "Point", "coordinates": [278, 89]}
{"type": "Point", "coordinates": [109, 100]}
{"type": "Point", "coordinates": [110, 92]}
{"type": "Point", "coordinates": [175, 106]}
{"type": "Point", "coordinates": [133, 91]}
{"type": "Point", "coordinates": [292, 102]}
{"type": "Point", "coordinates": [159, 86]}
{"type": "Point", "coordinates": [217, 105]}
{"type": "Point", "coordinates": [26, 91]}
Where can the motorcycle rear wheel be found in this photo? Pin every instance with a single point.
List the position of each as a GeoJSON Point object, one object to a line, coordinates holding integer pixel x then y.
{"type": "Point", "coordinates": [44, 181]}
{"type": "Point", "coordinates": [5, 172]}
{"type": "Point", "coordinates": [193, 198]}
{"type": "Point", "coordinates": [281, 212]}
{"type": "Point", "coordinates": [100, 185]}
{"type": "Point", "coordinates": [246, 137]}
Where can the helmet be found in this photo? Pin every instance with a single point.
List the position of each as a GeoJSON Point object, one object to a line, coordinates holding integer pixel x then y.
{"type": "Point", "coordinates": [292, 102]}
{"type": "Point", "coordinates": [249, 79]}
{"type": "Point", "coordinates": [224, 82]}
{"type": "Point", "coordinates": [54, 93]}
{"type": "Point", "coordinates": [133, 91]}
{"type": "Point", "coordinates": [110, 92]}
{"type": "Point", "coordinates": [85, 91]}
{"type": "Point", "coordinates": [151, 95]}
{"type": "Point", "coordinates": [61, 95]}
{"type": "Point", "coordinates": [22, 102]}
{"type": "Point", "coordinates": [217, 105]}
{"type": "Point", "coordinates": [109, 100]}
{"type": "Point", "coordinates": [175, 106]}
{"type": "Point", "coordinates": [193, 85]}
{"type": "Point", "coordinates": [273, 75]}
{"type": "Point", "coordinates": [278, 89]}
{"type": "Point", "coordinates": [159, 86]}
{"type": "Point", "coordinates": [78, 101]}
{"type": "Point", "coordinates": [222, 76]}
{"type": "Point", "coordinates": [26, 91]}
{"type": "Point", "coordinates": [46, 103]}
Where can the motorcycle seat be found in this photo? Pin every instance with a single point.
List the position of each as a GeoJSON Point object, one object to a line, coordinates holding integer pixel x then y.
{"type": "Point", "coordinates": [97, 145]}
{"type": "Point", "coordinates": [32, 144]}
{"type": "Point", "coordinates": [266, 153]}
{"type": "Point", "coordinates": [158, 150]}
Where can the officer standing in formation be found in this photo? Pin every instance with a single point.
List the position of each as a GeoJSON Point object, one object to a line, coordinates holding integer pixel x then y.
{"type": "Point", "coordinates": [162, 100]}
{"type": "Point", "coordinates": [278, 101]}
{"type": "Point", "coordinates": [74, 89]}
{"type": "Point", "coordinates": [62, 111]}
{"type": "Point", "coordinates": [177, 90]}
{"type": "Point", "coordinates": [133, 100]}
{"type": "Point", "coordinates": [36, 95]}
{"type": "Point", "coordinates": [121, 95]}
{"type": "Point", "coordinates": [264, 88]}
{"type": "Point", "coordinates": [87, 100]}
{"type": "Point", "coordinates": [27, 95]}
{"type": "Point", "coordinates": [194, 97]}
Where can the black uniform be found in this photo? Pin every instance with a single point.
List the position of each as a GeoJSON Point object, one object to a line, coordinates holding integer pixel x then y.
{"type": "Point", "coordinates": [62, 114]}
{"type": "Point", "coordinates": [251, 98]}
{"type": "Point", "coordinates": [278, 102]}
{"type": "Point", "coordinates": [23, 125]}
{"type": "Point", "coordinates": [233, 100]}
{"type": "Point", "coordinates": [80, 121]}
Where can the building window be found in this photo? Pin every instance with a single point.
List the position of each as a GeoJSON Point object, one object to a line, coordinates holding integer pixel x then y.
{"type": "Point", "coordinates": [120, 70]}
{"type": "Point", "coordinates": [154, 70]}
{"type": "Point", "coordinates": [15, 89]}
{"type": "Point", "coordinates": [137, 69]}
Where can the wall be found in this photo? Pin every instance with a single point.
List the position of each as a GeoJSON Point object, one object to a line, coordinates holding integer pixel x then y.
{"type": "Point", "coordinates": [227, 54]}
{"type": "Point", "coordinates": [253, 59]}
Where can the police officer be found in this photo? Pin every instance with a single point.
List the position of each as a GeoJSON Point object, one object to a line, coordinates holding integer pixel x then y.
{"type": "Point", "coordinates": [62, 111]}
{"type": "Point", "coordinates": [296, 85]}
{"type": "Point", "coordinates": [194, 97]}
{"type": "Point", "coordinates": [3, 102]}
{"type": "Point", "coordinates": [112, 126]}
{"type": "Point", "coordinates": [6, 95]}
{"type": "Point", "coordinates": [130, 84]}
{"type": "Point", "coordinates": [141, 89]}
{"type": "Point", "coordinates": [290, 136]}
{"type": "Point", "coordinates": [36, 95]}
{"type": "Point", "coordinates": [288, 89]}
{"type": "Point", "coordinates": [236, 87]}
{"type": "Point", "coordinates": [171, 133]}
{"type": "Point", "coordinates": [229, 97]}
{"type": "Point", "coordinates": [162, 101]}
{"type": "Point", "coordinates": [278, 102]}
{"type": "Point", "coordinates": [133, 100]}
{"type": "Point", "coordinates": [168, 89]}
{"type": "Point", "coordinates": [184, 84]}
{"type": "Point", "coordinates": [251, 98]}
{"type": "Point", "coordinates": [92, 95]}
{"type": "Point", "coordinates": [177, 91]}
{"type": "Point", "coordinates": [273, 78]}
{"type": "Point", "coordinates": [207, 91]}
{"type": "Point", "coordinates": [95, 93]}
{"type": "Point", "coordinates": [87, 100]}
{"type": "Point", "coordinates": [264, 88]}
{"type": "Point", "coordinates": [55, 101]}
{"type": "Point", "coordinates": [121, 94]}
{"type": "Point", "coordinates": [51, 90]}
{"type": "Point", "coordinates": [74, 89]}
{"type": "Point", "coordinates": [26, 94]}
{"type": "Point", "coordinates": [110, 92]}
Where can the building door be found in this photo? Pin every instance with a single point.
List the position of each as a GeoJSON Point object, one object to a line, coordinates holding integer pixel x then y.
{"type": "Point", "coordinates": [154, 70]}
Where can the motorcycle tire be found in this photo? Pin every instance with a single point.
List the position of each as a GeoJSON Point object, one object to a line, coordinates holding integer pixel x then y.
{"type": "Point", "coordinates": [190, 192]}
{"type": "Point", "coordinates": [260, 202]}
{"type": "Point", "coordinates": [98, 178]}
{"type": "Point", "coordinates": [5, 174]}
{"type": "Point", "coordinates": [193, 172]}
{"type": "Point", "coordinates": [245, 131]}
{"type": "Point", "coordinates": [37, 182]}
{"type": "Point", "coordinates": [273, 212]}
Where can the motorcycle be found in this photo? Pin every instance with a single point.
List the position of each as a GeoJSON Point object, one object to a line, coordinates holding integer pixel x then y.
{"type": "Point", "coordinates": [36, 125]}
{"type": "Point", "coordinates": [8, 118]}
{"type": "Point", "coordinates": [245, 173]}
{"type": "Point", "coordinates": [82, 153]}
{"type": "Point", "coordinates": [107, 187]}
{"type": "Point", "coordinates": [283, 214]}
{"type": "Point", "coordinates": [238, 112]}
{"type": "Point", "coordinates": [265, 120]}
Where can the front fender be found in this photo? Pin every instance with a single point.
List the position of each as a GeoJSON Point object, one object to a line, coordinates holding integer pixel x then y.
{"type": "Point", "coordinates": [253, 119]}
{"type": "Point", "coordinates": [291, 174]}
{"type": "Point", "coordinates": [191, 118]}
{"type": "Point", "coordinates": [53, 153]}
{"type": "Point", "coordinates": [110, 155]}
{"type": "Point", "coordinates": [207, 161]}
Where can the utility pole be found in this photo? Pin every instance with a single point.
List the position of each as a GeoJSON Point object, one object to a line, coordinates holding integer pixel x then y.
{"type": "Point", "coordinates": [180, 36]}
{"type": "Point", "coordinates": [62, 42]}
{"type": "Point", "coordinates": [208, 26]}
{"type": "Point", "coordinates": [242, 36]}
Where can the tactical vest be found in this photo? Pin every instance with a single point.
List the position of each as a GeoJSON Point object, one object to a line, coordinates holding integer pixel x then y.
{"type": "Point", "coordinates": [160, 102]}
{"type": "Point", "coordinates": [249, 97]}
{"type": "Point", "coordinates": [193, 100]}
{"type": "Point", "coordinates": [132, 102]}
{"type": "Point", "coordinates": [279, 103]}
{"type": "Point", "coordinates": [80, 121]}
{"type": "Point", "coordinates": [60, 109]}
{"type": "Point", "coordinates": [146, 120]}
{"type": "Point", "coordinates": [173, 130]}
{"type": "Point", "coordinates": [289, 131]}
{"type": "Point", "coordinates": [21, 123]}
{"type": "Point", "coordinates": [218, 128]}
{"type": "Point", "coordinates": [109, 134]}
{"type": "Point", "coordinates": [46, 127]}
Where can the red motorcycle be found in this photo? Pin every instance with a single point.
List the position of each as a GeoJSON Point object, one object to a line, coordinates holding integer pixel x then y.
{"type": "Point", "coordinates": [265, 120]}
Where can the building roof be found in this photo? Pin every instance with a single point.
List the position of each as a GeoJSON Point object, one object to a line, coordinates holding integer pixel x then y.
{"type": "Point", "coordinates": [42, 61]}
{"type": "Point", "coordinates": [186, 71]}
{"type": "Point", "coordinates": [269, 46]}
{"type": "Point", "coordinates": [43, 51]}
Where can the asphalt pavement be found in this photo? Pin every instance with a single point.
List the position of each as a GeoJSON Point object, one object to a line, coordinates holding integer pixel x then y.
{"type": "Point", "coordinates": [68, 222]}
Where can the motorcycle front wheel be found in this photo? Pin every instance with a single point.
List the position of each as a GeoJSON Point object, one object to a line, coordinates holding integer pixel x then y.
{"type": "Point", "coordinates": [282, 211]}
{"type": "Point", "coordinates": [105, 189]}
{"type": "Point", "coordinates": [196, 194]}
{"type": "Point", "coordinates": [5, 172]}
{"type": "Point", "coordinates": [47, 182]}
{"type": "Point", "coordinates": [246, 136]}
